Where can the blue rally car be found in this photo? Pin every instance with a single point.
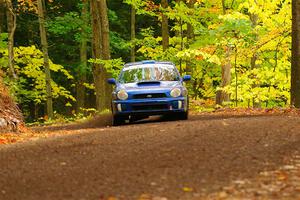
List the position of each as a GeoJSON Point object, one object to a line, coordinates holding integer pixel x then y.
{"type": "Point", "coordinates": [149, 88]}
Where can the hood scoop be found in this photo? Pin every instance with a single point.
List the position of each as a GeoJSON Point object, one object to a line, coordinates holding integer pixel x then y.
{"type": "Point", "coordinates": [148, 83]}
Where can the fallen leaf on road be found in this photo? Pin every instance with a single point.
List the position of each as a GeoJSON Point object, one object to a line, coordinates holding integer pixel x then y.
{"type": "Point", "coordinates": [3, 141]}
{"type": "Point", "coordinates": [282, 176]}
{"type": "Point", "coordinates": [225, 124]}
{"type": "Point", "coordinates": [288, 167]}
{"type": "Point", "coordinates": [187, 189]}
{"type": "Point", "coordinates": [159, 198]}
{"type": "Point", "coordinates": [145, 197]}
{"type": "Point", "coordinates": [223, 195]}
{"type": "Point", "coordinates": [112, 198]}
{"type": "Point", "coordinates": [153, 184]}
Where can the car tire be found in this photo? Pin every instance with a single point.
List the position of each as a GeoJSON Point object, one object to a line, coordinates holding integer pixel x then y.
{"type": "Point", "coordinates": [117, 120]}
{"type": "Point", "coordinates": [183, 115]}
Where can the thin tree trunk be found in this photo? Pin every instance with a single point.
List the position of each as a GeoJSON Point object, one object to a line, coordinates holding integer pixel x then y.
{"type": "Point", "coordinates": [11, 26]}
{"type": "Point", "coordinates": [101, 51]}
{"type": "Point", "coordinates": [132, 30]}
{"type": "Point", "coordinates": [254, 19]}
{"type": "Point", "coordinates": [190, 32]}
{"type": "Point", "coordinates": [181, 45]}
{"type": "Point", "coordinates": [226, 75]}
{"type": "Point", "coordinates": [223, 7]}
{"type": "Point", "coordinates": [105, 51]}
{"type": "Point", "coordinates": [30, 34]}
{"type": "Point", "coordinates": [80, 90]}
{"type": "Point", "coordinates": [190, 38]}
{"type": "Point", "coordinates": [236, 75]}
{"type": "Point", "coordinates": [181, 35]}
{"type": "Point", "coordinates": [165, 26]}
{"type": "Point", "coordinates": [46, 58]}
{"type": "Point", "coordinates": [2, 15]}
{"type": "Point", "coordinates": [295, 71]}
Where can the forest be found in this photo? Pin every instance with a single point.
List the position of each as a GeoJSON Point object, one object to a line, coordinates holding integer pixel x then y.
{"type": "Point", "coordinates": [223, 125]}
{"type": "Point", "coordinates": [55, 56]}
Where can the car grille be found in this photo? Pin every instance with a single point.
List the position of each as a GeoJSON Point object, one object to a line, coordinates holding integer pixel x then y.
{"type": "Point", "coordinates": [149, 96]}
{"type": "Point", "coordinates": [150, 107]}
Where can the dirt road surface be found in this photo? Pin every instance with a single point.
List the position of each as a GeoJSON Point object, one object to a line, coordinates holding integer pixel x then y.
{"type": "Point", "coordinates": [163, 160]}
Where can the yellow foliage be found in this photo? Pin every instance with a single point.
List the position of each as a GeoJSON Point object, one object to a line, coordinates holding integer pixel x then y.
{"type": "Point", "coordinates": [29, 65]}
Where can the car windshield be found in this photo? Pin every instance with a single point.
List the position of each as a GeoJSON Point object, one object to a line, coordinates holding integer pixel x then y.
{"type": "Point", "coordinates": [148, 72]}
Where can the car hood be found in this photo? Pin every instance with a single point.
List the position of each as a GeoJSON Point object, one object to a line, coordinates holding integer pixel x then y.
{"type": "Point", "coordinates": [155, 85]}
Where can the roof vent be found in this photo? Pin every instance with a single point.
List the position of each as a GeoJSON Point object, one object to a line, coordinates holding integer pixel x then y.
{"type": "Point", "coordinates": [148, 62]}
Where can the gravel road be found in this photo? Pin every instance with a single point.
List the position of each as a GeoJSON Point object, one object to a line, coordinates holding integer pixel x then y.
{"type": "Point", "coordinates": [158, 160]}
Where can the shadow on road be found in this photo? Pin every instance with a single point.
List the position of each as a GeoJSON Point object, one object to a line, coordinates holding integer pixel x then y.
{"type": "Point", "coordinates": [102, 121]}
{"type": "Point", "coordinates": [99, 121]}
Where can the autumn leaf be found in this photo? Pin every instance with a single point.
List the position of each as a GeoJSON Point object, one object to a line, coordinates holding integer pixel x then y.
{"type": "Point", "coordinates": [187, 189]}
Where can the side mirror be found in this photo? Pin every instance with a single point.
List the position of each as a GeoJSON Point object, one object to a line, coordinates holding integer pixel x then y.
{"type": "Point", "coordinates": [111, 81]}
{"type": "Point", "coordinates": [186, 78]}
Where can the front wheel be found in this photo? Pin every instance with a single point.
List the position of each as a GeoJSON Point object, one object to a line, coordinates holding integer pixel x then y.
{"type": "Point", "coordinates": [183, 115]}
{"type": "Point", "coordinates": [118, 120]}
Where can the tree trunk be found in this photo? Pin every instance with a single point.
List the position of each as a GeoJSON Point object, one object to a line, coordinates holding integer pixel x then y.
{"type": "Point", "coordinates": [80, 90]}
{"type": "Point", "coordinates": [11, 26]}
{"type": "Point", "coordinates": [165, 26]}
{"type": "Point", "coordinates": [2, 15]}
{"type": "Point", "coordinates": [254, 19]}
{"type": "Point", "coordinates": [105, 51]}
{"type": "Point", "coordinates": [132, 30]}
{"type": "Point", "coordinates": [190, 28]}
{"type": "Point", "coordinates": [223, 7]}
{"type": "Point", "coordinates": [101, 50]}
{"type": "Point", "coordinates": [104, 29]}
{"type": "Point", "coordinates": [190, 39]}
{"type": "Point", "coordinates": [295, 71]}
{"type": "Point", "coordinates": [96, 47]}
{"type": "Point", "coordinates": [44, 43]}
{"type": "Point", "coordinates": [223, 96]}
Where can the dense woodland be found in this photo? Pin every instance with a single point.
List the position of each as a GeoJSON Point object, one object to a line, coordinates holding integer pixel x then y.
{"type": "Point", "coordinates": [56, 55]}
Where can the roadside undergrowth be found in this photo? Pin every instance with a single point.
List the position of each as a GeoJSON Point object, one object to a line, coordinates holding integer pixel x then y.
{"type": "Point", "coordinates": [102, 121]}
{"type": "Point", "coordinates": [11, 118]}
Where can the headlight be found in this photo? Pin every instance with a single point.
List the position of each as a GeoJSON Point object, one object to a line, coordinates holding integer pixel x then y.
{"type": "Point", "coordinates": [122, 95]}
{"type": "Point", "coordinates": [184, 92]}
{"type": "Point", "coordinates": [176, 92]}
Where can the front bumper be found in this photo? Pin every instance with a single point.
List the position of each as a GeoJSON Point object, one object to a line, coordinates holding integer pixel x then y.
{"type": "Point", "coordinates": [149, 106]}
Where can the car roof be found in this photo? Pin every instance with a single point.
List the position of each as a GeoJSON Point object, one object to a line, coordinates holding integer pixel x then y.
{"type": "Point", "coordinates": [148, 62]}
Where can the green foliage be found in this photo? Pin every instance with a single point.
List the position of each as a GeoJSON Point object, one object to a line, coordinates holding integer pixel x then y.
{"type": "Point", "coordinates": [69, 24]}
{"type": "Point", "coordinates": [3, 38]}
{"type": "Point", "coordinates": [143, 7]}
{"type": "Point", "coordinates": [112, 66]}
{"type": "Point", "coordinates": [184, 15]}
